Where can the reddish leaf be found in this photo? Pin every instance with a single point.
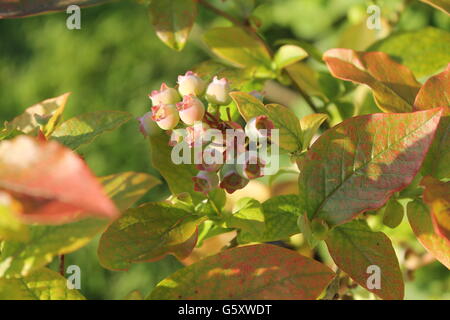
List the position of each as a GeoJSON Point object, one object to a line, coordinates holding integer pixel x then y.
{"type": "Point", "coordinates": [354, 248]}
{"type": "Point", "coordinates": [252, 272]}
{"type": "Point", "coordinates": [52, 183]}
{"type": "Point", "coordinates": [393, 84]}
{"type": "Point", "coordinates": [435, 93]}
{"type": "Point", "coordinates": [23, 8]}
{"type": "Point", "coordinates": [422, 225]}
{"type": "Point", "coordinates": [437, 196]}
{"type": "Point", "coordinates": [357, 165]}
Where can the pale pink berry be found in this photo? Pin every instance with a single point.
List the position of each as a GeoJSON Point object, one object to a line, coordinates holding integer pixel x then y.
{"type": "Point", "coordinates": [166, 116]}
{"type": "Point", "coordinates": [259, 127]}
{"type": "Point", "coordinates": [250, 165]}
{"type": "Point", "coordinates": [165, 95]}
{"type": "Point", "coordinates": [146, 125]}
{"type": "Point", "coordinates": [218, 91]}
{"type": "Point", "coordinates": [191, 109]}
{"type": "Point", "coordinates": [177, 136]}
{"type": "Point", "coordinates": [230, 179]}
{"type": "Point", "coordinates": [205, 181]}
{"type": "Point", "coordinates": [196, 133]}
{"type": "Point", "coordinates": [212, 158]}
{"type": "Point", "coordinates": [191, 83]}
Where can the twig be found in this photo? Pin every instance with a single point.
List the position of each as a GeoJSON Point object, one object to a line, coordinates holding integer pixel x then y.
{"type": "Point", "coordinates": [61, 265]}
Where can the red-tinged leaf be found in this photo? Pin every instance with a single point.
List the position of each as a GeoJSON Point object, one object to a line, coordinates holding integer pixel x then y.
{"type": "Point", "coordinates": [437, 197]}
{"type": "Point", "coordinates": [357, 165]}
{"type": "Point", "coordinates": [354, 247]}
{"type": "Point", "coordinates": [259, 271]}
{"type": "Point", "coordinates": [394, 86]}
{"type": "Point", "coordinates": [45, 114]}
{"type": "Point", "coordinates": [443, 5]}
{"type": "Point", "coordinates": [173, 21]}
{"type": "Point", "coordinates": [23, 8]}
{"type": "Point", "coordinates": [51, 182]}
{"type": "Point", "coordinates": [435, 93]}
{"type": "Point", "coordinates": [148, 233]}
{"type": "Point", "coordinates": [420, 220]}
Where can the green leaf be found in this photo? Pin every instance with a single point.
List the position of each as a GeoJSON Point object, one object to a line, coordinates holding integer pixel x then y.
{"type": "Point", "coordinates": [173, 21]}
{"type": "Point", "coordinates": [23, 8]}
{"type": "Point", "coordinates": [178, 177]}
{"type": "Point", "coordinates": [251, 272]}
{"type": "Point", "coordinates": [357, 165]}
{"type": "Point", "coordinates": [306, 78]}
{"type": "Point", "coordinates": [394, 86]}
{"type": "Point", "coordinates": [238, 47]}
{"type": "Point", "coordinates": [309, 125]}
{"type": "Point", "coordinates": [420, 220]}
{"type": "Point", "coordinates": [43, 284]}
{"type": "Point", "coordinates": [393, 214]}
{"type": "Point", "coordinates": [310, 49]}
{"type": "Point", "coordinates": [354, 248]}
{"type": "Point", "coordinates": [435, 93]}
{"type": "Point", "coordinates": [11, 228]}
{"type": "Point", "coordinates": [275, 219]}
{"type": "Point", "coordinates": [21, 258]}
{"type": "Point", "coordinates": [288, 54]}
{"type": "Point", "coordinates": [443, 5]}
{"type": "Point", "coordinates": [85, 128]}
{"type": "Point", "coordinates": [148, 233]}
{"type": "Point", "coordinates": [423, 51]}
{"type": "Point", "coordinates": [282, 117]}
{"type": "Point", "coordinates": [29, 121]}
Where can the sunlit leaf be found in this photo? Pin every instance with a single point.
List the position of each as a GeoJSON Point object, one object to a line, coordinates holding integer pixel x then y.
{"type": "Point", "coordinates": [275, 219]}
{"type": "Point", "coordinates": [85, 128]}
{"type": "Point", "coordinates": [237, 47]}
{"type": "Point", "coordinates": [148, 233]}
{"type": "Point", "coordinates": [435, 93]}
{"type": "Point", "coordinates": [251, 272]}
{"type": "Point", "coordinates": [52, 183]}
{"type": "Point", "coordinates": [173, 21]}
{"type": "Point", "coordinates": [45, 115]}
{"type": "Point", "coordinates": [21, 258]}
{"type": "Point", "coordinates": [424, 51]}
{"type": "Point", "coordinates": [11, 227]}
{"type": "Point", "coordinates": [288, 54]}
{"type": "Point", "coordinates": [283, 118]}
{"type": "Point", "coordinates": [420, 219]}
{"type": "Point", "coordinates": [43, 284]}
{"type": "Point", "coordinates": [306, 78]}
{"type": "Point", "coordinates": [393, 84]}
{"type": "Point", "coordinates": [23, 8]}
{"type": "Point", "coordinates": [354, 248]}
{"type": "Point", "coordinates": [357, 165]}
{"type": "Point", "coordinates": [309, 125]}
{"type": "Point", "coordinates": [437, 196]}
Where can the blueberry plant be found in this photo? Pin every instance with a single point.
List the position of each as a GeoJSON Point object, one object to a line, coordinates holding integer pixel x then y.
{"type": "Point", "coordinates": [354, 166]}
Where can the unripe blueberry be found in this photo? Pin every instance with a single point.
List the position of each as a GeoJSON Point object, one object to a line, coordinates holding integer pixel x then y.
{"type": "Point", "coordinates": [177, 136]}
{"type": "Point", "coordinates": [319, 229]}
{"type": "Point", "coordinates": [196, 133]}
{"type": "Point", "coordinates": [230, 179]}
{"type": "Point", "coordinates": [146, 125]}
{"type": "Point", "coordinates": [205, 181]}
{"type": "Point", "coordinates": [250, 165]}
{"type": "Point", "coordinates": [191, 83]}
{"type": "Point", "coordinates": [191, 109]}
{"type": "Point", "coordinates": [218, 91]}
{"type": "Point", "coordinates": [165, 95]}
{"type": "Point", "coordinates": [259, 127]}
{"type": "Point", "coordinates": [166, 116]}
{"type": "Point", "coordinates": [212, 158]}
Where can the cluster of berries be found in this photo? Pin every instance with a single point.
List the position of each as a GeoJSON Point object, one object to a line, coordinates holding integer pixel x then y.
{"type": "Point", "coordinates": [222, 149]}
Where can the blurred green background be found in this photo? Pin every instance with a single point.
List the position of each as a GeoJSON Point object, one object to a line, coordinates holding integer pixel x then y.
{"type": "Point", "coordinates": [115, 60]}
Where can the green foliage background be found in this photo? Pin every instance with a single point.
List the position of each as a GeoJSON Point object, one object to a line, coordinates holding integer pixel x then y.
{"type": "Point", "coordinates": [115, 60]}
